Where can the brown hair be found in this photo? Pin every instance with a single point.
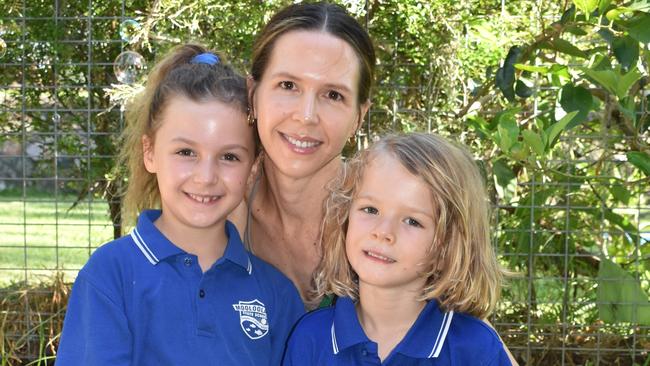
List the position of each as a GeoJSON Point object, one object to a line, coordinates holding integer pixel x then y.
{"type": "Point", "coordinates": [174, 75]}
{"type": "Point", "coordinates": [462, 271]}
{"type": "Point", "coordinates": [322, 16]}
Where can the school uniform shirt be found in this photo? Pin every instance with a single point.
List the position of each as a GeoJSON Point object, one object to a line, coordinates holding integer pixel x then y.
{"type": "Point", "coordinates": [333, 336]}
{"type": "Point", "coordinates": [141, 300]}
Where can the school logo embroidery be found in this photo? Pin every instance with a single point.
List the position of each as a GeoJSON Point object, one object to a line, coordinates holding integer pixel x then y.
{"type": "Point", "coordinates": [252, 318]}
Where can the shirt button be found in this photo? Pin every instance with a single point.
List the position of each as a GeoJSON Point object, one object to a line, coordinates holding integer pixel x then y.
{"type": "Point", "coordinates": [201, 293]}
{"type": "Point", "coordinates": [364, 352]}
{"type": "Point", "coordinates": [187, 261]}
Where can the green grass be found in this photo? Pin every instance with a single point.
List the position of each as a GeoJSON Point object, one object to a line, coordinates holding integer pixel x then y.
{"type": "Point", "coordinates": [38, 235]}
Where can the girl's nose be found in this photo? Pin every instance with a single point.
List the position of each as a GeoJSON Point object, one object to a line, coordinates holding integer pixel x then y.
{"type": "Point", "coordinates": [206, 172]}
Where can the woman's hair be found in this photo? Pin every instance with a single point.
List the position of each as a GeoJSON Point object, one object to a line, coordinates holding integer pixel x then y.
{"type": "Point", "coordinates": [330, 18]}
{"type": "Point", "coordinates": [461, 271]}
{"type": "Point", "coordinates": [176, 75]}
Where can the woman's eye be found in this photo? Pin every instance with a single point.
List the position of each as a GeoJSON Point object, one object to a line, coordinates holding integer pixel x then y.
{"type": "Point", "coordinates": [185, 152]}
{"type": "Point", "coordinates": [370, 210]}
{"type": "Point", "coordinates": [334, 95]}
{"type": "Point", "coordinates": [413, 222]}
{"type": "Point", "coordinates": [288, 85]}
{"type": "Point", "coordinates": [230, 157]}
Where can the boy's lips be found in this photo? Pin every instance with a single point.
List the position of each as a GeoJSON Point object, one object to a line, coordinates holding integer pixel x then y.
{"type": "Point", "coordinates": [378, 256]}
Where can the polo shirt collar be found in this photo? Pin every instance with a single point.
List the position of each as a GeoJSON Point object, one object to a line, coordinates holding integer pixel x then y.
{"type": "Point", "coordinates": [151, 242]}
{"type": "Point", "coordinates": [346, 331]}
{"type": "Point", "coordinates": [424, 340]}
{"type": "Point", "coordinates": [235, 251]}
{"type": "Point", "coordinates": [428, 334]}
{"type": "Point", "coordinates": [156, 247]}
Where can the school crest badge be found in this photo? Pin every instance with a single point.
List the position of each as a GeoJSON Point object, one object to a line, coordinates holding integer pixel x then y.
{"type": "Point", "coordinates": [252, 318]}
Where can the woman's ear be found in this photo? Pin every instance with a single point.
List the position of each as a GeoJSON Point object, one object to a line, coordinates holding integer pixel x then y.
{"type": "Point", "coordinates": [251, 85]}
{"type": "Point", "coordinates": [363, 109]}
{"type": "Point", "coordinates": [147, 154]}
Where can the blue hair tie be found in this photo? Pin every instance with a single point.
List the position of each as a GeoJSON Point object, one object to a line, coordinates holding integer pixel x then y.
{"type": "Point", "coordinates": [205, 58]}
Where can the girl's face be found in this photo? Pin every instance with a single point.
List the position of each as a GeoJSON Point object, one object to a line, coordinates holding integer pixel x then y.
{"type": "Point", "coordinates": [391, 227]}
{"type": "Point", "coordinates": [202, 155]}
{"type": "Point", "coordinates": [306, 102]}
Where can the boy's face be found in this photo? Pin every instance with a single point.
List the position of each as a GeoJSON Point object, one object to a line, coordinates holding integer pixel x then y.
{"type": "Point", "coordinates": [202, 155]}
{"type": "Point", "coordinates": [390, 228]}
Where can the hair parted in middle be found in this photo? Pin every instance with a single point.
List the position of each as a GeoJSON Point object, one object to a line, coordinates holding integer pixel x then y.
{"type": "Point", "coordinates": [461, 272]}
{"type": "Point", "coordinates": [176, 75]}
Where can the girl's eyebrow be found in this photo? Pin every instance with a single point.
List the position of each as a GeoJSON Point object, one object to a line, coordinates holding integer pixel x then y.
{"type": "Point", "coordinates": [224, 147]}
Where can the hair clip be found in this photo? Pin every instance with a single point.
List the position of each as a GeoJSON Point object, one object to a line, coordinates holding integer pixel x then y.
{"type": "Point", "coordinates": [205, 58]}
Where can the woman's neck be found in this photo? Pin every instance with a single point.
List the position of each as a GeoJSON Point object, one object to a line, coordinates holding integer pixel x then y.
{"type": "Point", "coordinates": [297, 199]}
{"type": "Point", "coordinates": [386, 316]}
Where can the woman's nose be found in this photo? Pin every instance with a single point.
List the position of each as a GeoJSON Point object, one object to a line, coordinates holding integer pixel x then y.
{"type": "Point", "coordinates": [307, 112]}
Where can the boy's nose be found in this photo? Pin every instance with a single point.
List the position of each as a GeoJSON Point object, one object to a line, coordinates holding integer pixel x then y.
{"type": "Point", "coordinates": [384, 232]}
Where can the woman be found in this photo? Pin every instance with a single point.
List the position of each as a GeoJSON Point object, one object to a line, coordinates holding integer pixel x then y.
{"type": "Point", "coordinates": [309, 87]}
{"type": "Point", "coordinates": [312, 71]}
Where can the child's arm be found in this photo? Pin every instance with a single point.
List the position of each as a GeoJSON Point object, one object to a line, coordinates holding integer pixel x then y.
{"type": "Point", "coordinates": [95, 330]}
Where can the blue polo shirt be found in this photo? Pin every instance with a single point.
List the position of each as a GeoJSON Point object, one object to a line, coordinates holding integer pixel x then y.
{"type": "Point", "coordinates": [141, 300]}
{"type": "Point", "coordinates": [333, 336]}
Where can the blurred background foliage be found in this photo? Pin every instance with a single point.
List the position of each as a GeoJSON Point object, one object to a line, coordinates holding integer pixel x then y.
{"type": "Point", "coordinates": [550, 96]}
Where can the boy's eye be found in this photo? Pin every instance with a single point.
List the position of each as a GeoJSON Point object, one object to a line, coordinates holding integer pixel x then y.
{"type": "Point", "coordinates": [288, 85]}
{"type": "Point", "coordinates": [413, 222]}
{"type": "Point", "coordinates": [185, 152]}
{"type": "Point", "coordinates": [370, 210]}
{"type": "Point", "coordinates": [334, 95]}
{"type": "Point", "coordinates": [230, 157]}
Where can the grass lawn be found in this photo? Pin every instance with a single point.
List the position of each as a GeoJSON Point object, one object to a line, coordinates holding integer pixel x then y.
{"type": "Point", "coordinates": [38, 235]}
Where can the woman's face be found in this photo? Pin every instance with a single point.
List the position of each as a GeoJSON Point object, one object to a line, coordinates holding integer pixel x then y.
{"type": "Point", "coordinates": [306, 101]}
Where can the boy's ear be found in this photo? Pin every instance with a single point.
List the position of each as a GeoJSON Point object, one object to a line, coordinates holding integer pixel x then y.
{"type": "Point", "coordinates": [147, 154]}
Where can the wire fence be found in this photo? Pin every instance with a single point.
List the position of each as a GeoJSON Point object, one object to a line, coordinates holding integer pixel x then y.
{"type": "Point", "coordinates": [57, 193]}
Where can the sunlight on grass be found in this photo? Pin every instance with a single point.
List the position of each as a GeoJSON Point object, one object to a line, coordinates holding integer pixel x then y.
{"type": "Point", "coordinates": [41, 234]}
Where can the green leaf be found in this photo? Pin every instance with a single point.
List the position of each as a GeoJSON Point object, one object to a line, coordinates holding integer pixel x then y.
{"type": "Point", "coordinates": [620, 297]}
{"type": "Point", "coordinates": [565, 47]}
{"type": "Point", "coordinates": [576, 98]}
{"type": "Point", "coordinates": [587, 6]}
{"type": "Point", "coordinates": [640, 160]}
{"type": "Point", "coordinates": [606, 78]}
{"type": "Point", "coordinates": [620, 193]}
{"type": "Point", "coordinates": [504, 179]}
{"type": "Point", "coordinates": [626, 51]}
{"type": "Point", "coordinates": [603, 5]}
{"type": "Point", "coordinates": [505, 76]}
{"type": "Point", "coordinates": [508, 132]}
{"type": "Point", "coordinates": [555, 129]}
{"type": "Point", "coordinates": [626, 81]}
{"type": "Point", "coordinates": [522, 90]}
{"type": "Point", "coordinates": [640, 30]}
{"type": "Point", "coordinates": [534, 141]}
{"type": "Point", "coordinates": [531, 68]}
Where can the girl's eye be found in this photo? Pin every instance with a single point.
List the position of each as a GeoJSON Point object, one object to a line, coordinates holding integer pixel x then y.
{"type": "Point", "coordinates": [413, 222]}
{"type": "Point", "coordinates": [185, 152]}
{"type": "Point", "coordinates": [334, 95]}
{"type": "Point", "coordinates": [230, 157]}
{"type": "Point", "coordinates": [287, 85]}
{"type": "Point", "coordinates": [370, 210]}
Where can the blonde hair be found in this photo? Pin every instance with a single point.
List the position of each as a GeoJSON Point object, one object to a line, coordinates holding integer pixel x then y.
{"type": "Point", "coordinates": [462, 272]}
{"type": "Point", "coordinates": [174, 75]}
